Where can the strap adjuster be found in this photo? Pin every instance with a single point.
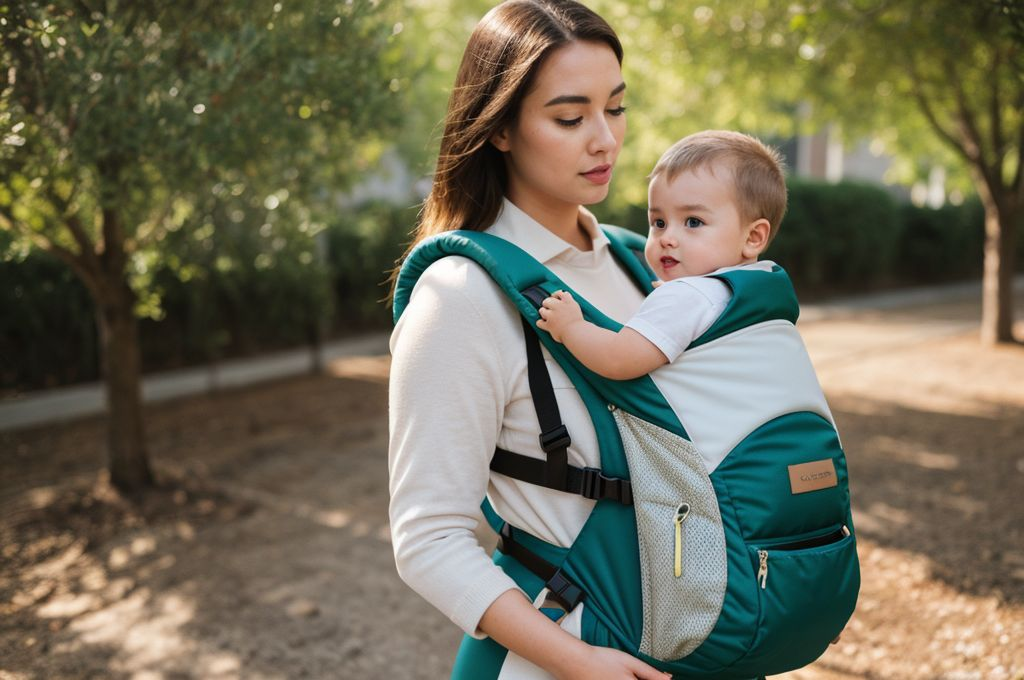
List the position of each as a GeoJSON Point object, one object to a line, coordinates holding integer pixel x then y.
{"type": "Point", "coordinates": [555, 439]}
{"type": "Point", "coordinates": [596, 487]}
{"type": "Point", "coordinates": [564, 592]}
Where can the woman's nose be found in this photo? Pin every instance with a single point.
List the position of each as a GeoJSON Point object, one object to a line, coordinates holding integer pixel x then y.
{"type": "Point", "coordinates": [603, 139]}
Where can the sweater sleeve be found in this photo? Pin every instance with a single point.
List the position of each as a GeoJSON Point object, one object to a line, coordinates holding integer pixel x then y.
{"type": "Point", "coordinates": [446, 400]}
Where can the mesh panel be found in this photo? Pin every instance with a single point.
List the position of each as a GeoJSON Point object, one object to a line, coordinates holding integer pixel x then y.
{"type": "Point", "coordinates": [667, 470]}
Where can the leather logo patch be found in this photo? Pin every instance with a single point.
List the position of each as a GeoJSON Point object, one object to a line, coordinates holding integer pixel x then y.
{"type": "Point", "coordinates": [818, 474]}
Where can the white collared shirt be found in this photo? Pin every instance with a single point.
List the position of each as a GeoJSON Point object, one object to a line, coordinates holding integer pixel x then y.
{"type": "Point", "coordinates": [458, 389]}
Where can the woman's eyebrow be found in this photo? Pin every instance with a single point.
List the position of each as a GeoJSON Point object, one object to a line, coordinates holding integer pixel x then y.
{"type": "Point", "coordinates": [581, 99]}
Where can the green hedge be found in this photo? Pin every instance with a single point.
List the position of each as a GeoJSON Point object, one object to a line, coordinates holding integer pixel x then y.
{"type": "Point", "coordinates": [835, 238]}
{"type": "Point", "coordinates": [47, 327]}
{"type": "Point", "coordinates": [363, 247]}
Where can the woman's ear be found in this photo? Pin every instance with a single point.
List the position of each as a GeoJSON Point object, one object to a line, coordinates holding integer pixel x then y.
{"type": "Point", "coordinates": [757, 238]}
{"type": "Point", "coordinates": [499, 140]}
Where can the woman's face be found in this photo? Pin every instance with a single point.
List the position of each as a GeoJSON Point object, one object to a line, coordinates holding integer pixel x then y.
{"type": "Point", "coordinates": [561, 149]}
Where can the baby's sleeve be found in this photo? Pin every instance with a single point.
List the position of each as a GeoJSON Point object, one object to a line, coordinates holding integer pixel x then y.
{"type": "Point", "coordinates": [678, 312]}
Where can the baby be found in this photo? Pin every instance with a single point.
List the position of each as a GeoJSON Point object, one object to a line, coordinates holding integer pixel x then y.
{"type": "Point", "coordinates": [715, 201]}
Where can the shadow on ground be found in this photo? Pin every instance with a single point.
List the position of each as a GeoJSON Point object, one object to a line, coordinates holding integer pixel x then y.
{"type": "Point", "coordinates": [267, 553]}
{"type": "Point", "coordinates": [944, 485]}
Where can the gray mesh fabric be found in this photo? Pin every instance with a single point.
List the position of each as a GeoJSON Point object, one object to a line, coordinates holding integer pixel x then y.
{"type": "Point", "coordinates": [666, 470]}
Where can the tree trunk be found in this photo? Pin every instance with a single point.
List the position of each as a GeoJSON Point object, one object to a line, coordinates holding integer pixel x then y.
{"type": "Point", "coordinates": [997, 281]}
{"type": "Point", "coordinates": [122, 371]}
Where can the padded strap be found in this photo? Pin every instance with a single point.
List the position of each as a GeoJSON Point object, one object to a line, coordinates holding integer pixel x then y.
{"type": "Point", "coordinates": [561, 589]}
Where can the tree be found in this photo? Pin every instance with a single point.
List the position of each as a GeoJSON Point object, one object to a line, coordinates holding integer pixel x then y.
{"type": "Point", "coordinates": [960, 66]}
{"type": "Point", "coordinates": [941, 80]}
{"type": "Point", "coordinates": [125, 122]}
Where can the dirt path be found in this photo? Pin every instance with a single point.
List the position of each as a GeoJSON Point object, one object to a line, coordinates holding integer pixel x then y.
{"type": "Point", "coordinates": [267, 555]}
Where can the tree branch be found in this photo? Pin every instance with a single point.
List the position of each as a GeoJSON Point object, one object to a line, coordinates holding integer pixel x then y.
{"type": "Point", "coordinates": [77, 264]}
{"type": "Point", "coordinates": [995, 110]}
{"type": "Point", "coordinates": [967, 118]}
{"type": "Point", "coordinates": [1018, 178]}
{"type": "Point", "coordinates": [917, 89]}
{"type": "Point", "coordinates": [74, 225]}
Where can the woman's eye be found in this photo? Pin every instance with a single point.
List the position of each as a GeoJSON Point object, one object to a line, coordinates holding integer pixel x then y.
{"type": "Point", "coordinates": [693, 222]}
{"type": "Point", "coordinates": [569, 123]}
{"type": "Point", "coordinates": [618, 111]}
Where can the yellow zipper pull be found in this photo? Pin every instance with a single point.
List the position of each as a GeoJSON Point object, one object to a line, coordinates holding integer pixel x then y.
{"type": "Point", "coordinates": [762, 572]}
{"type": "Point", "coordinates": [681, 512]}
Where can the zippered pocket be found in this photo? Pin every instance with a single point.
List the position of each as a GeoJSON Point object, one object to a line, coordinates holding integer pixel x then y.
{"type": "Point", "coordinates": [789, 546]}
{"type": "Point", "coordinates": [807, 590]}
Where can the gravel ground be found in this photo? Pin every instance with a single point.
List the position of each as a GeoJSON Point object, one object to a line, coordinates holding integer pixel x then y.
{"type": "Point", "coordinates": [266, 554]}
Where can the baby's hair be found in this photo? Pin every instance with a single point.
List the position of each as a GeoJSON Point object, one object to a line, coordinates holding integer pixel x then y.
{"type": "Point", "coordinates": [759, 181]}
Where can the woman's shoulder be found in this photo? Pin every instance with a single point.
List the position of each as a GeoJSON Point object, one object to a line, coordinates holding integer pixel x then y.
{"type": "Point", "coordinates": [457, 285]}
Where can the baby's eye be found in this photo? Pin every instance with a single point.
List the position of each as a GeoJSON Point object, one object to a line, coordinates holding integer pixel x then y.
{"type": "Point", "coordinates": [569, 123]}
{"type": "Point", "coordinates": [658, 223]}
{"type": "Point", "coordinates": [693, 222]}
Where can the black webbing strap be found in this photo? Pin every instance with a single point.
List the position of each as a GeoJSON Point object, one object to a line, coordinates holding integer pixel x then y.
{"type": "Point", "coordinates": [587, 482]}
{"type": "Point", "coordinates": [561, 589]}
{"type": "Point", "coordinates": [554, 437]}
{"type": "Point", "coordinates": [554, 472]}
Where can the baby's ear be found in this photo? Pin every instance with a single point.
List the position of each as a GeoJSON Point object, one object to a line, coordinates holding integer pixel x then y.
{"type": "Point", "coordinates": [758, 232]}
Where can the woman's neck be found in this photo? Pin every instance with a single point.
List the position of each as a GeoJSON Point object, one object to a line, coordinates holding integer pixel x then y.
{"type": "Point", "coordinates": [562, 220]}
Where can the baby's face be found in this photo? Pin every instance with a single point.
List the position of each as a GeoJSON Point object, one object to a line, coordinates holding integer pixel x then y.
{"type": "Point", "coordinates": [696, 227]}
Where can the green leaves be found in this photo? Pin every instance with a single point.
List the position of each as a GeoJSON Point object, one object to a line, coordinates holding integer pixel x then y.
{"type": "Point", "coordinates": [143, 112]}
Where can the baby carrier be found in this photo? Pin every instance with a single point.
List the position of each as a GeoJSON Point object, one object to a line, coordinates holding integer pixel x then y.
{"type": "Point", "coordinates": [721, 565]}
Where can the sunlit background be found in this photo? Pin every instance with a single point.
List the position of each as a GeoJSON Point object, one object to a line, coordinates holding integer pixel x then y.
{"type": "Point", "coordinates": [200, 204]}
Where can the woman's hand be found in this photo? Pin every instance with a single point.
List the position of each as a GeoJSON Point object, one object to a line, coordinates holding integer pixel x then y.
{"type": "Point", "coordinates": [558, 313]}
{"type": "Point", "coordinates": [602, 663]}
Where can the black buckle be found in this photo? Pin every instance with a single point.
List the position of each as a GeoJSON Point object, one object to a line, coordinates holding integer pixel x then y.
{"type": "Point", "coordinates": [564, 592]}
{"type": "Point", "coordinates": [596, 487]}
{"type": "Point", "coordinates": [557, 438]}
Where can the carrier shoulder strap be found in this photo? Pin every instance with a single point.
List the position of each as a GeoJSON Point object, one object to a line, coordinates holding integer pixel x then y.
{"type": "Point", "coordinates": [528, 282]}
{"type": "Point", "coordinates": [555, 472]}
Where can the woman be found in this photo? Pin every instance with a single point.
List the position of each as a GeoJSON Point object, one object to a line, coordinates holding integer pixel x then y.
{"type": "Point", "coordinates": [535, 124]}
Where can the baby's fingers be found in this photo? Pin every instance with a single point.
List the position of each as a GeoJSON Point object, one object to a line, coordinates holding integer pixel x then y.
{"type": "Point", "coordinates": [555, 298]}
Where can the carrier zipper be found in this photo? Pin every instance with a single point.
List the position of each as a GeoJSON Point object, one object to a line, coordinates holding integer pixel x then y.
{"type": "Point", "coordinates": [681, 513]}
{"type": "Point", "coordinates": [762, 555]}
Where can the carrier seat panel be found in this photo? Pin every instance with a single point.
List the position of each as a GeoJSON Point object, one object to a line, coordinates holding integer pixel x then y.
{"type": "Point", "coordinates": [726, 389]}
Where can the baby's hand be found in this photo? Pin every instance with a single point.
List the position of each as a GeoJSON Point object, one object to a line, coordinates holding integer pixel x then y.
{"type": "Point", "coordinates": [557, 313]}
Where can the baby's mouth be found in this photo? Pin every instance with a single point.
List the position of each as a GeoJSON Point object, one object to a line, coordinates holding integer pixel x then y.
{"type": "Point", "coordinates": [668, 262]}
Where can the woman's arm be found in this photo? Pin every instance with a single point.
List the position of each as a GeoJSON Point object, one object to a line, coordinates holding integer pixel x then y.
{"type": "Point", "coordinates": [619, 356]}
{"type": "Point", "coordinates": [442, 434]}
{"type": "Point", "coordinates": [514, 624]}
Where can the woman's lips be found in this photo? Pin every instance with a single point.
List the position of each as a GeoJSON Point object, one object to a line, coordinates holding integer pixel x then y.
{"type": "Point", "coordinates": [602, 174]}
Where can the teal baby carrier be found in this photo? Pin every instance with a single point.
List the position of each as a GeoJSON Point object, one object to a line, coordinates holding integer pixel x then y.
{"type": "Point", "coordinates": [748, 570]}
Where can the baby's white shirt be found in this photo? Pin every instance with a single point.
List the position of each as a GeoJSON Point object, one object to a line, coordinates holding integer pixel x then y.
{"type": "Point", "coordinates": [681, 310]}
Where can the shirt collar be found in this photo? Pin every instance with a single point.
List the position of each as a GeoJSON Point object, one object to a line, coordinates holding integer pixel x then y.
{"type": "Point", "coordinates": [516, 226]}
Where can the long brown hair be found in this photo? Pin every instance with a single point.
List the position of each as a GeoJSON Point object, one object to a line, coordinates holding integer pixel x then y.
{"type": "Point", "coordinates": [501, 59]}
